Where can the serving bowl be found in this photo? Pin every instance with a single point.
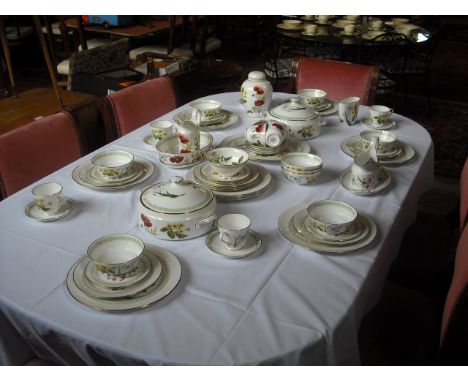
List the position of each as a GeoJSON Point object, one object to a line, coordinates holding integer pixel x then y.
{"type": "Point", "coordinates": [313, 97]}
{"type": "Point", "coordinates": [330, 217]}
{"type": "Point", "coordinates": [168, 149]}
{"type": "Point", "coordinates": [112, 164]}
{"type": "Point", "coordinates": [227, 161]}
{"type": "Point", "coordinates": [116, 254]}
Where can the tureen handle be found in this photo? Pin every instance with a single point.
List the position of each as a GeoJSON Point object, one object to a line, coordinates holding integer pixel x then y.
{"type": "Point", "coordinates": [209, 220]}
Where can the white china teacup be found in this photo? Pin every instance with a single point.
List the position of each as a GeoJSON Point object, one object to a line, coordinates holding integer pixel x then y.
{"type": "Point", "coordinates": [377, 25]}
{"type": "Point", "coordinates": [266, 133]}
{"type": "Point", "coordinates": [234, 230]}
{"type": "Point", "coordinates": [311, 28]}
{"type": "Point", "coordinates": [210, 109]}
{"type": "Point", "coordinates": [113, 164]}
{"type": "Point", "coordinates": [348, 110]}
{"type": "Point", "coordinates": [49, 197]}
{"type": "Point", "coordinates": [227, 161]}
{"type": "Point", "coordinates": [385, 141]}
{"type": "Point", "coordinates": [352, 17]}
{"type": "Point", "coordinates": [365, 177]}
{"type": "Point", "coordinates": [380, 114]}
{"type": "Point", "coordinates": [323, 19]}
{"type": "Point", "coordinates": [349, 29]}
{"type": "Point", "coordinates": [313, 97]}
{"type": "Point", "coordinates": [161, 129]}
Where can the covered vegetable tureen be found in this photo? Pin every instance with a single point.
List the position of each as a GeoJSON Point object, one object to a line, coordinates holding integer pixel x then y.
{"type": "Point", "coordinates": [303, 121]}
{"type": "Point", "coordinates": [177, 209]}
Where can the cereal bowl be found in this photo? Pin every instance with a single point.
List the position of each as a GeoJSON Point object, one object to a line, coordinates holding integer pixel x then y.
{"type": "Point", "coordinates": [301, 178]}
{"type": "Point", "coordinates": [313, 97]}
{"type": "Point", "coordinates": [168, 149]}
{"type": "Point", "coordinates": [301, 162]}
{"type": "Point", "coordinates": [227, 161]}
{"type": "Point", "coordinates": [112, 165]}
{"type": "Point", "coordinates": [116, 254]}
{"type": "Point", "coordinates": [330, 217]}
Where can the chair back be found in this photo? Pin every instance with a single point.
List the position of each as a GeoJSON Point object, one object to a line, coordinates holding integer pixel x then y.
{"type": "Point", "coordinates": [137, 105]}
{"type": "Point", "coordinates": [464, 196]}
{"type": "Point", "coordinates": [30, 152]}
{"type": "Point", "coordinates": [338, 79]}
{"type": "Point", "coordinates": [454, 331]}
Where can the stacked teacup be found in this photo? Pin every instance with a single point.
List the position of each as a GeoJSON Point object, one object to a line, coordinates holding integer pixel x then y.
{"type": "Point", "coordinates": [301, 168]}
{"type": "Point", "coordinates": [266, 137]}
{"type": "Point", "coordinates": [385, 143]}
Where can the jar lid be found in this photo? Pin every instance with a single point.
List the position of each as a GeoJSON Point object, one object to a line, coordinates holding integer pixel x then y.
{"type": "Point", "coordinates": [294, 110]}
{"type": "Point", "coordinates": [257, 76]}
{"type": "Point", "coordinates": [177, 196]}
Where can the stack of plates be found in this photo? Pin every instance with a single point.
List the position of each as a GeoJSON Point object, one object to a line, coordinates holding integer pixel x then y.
{"type": "Point", "coordinates": [288, 146]}
{"type": "Point", "coordinates": [225, 119]}
{"type": "Point", "coordinates": [157, 274]}
{"type": "Point", "coordinates": [294, 225]}
{"type": "Point", "coordinates": [327, 107]}
{"type": "Point", "coordinates": [250, 182]}
{"type": "Point", "coordinates": [87, 175]}
{"type": "Point", "coordinates": [400, 153]}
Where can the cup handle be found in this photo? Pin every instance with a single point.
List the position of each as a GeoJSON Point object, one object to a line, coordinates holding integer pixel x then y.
{"type": "Point", "coordinates": [391, 111]}
{"type": "Point", "coordinates": [209, 220]}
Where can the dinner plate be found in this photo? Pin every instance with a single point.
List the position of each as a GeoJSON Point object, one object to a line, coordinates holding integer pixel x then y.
{"type": "Point", "coordinates": [171, 273]}
{"type": "Point", "coordinates": [352, 146]}
{"type": "Point", "coordinates": [32, 211]}
{"type": "Point", "coordinates": [386, 126]}
{"type": "Point", "coordinates": [299, 223]}
{"type": "Point", "coordinates": [98, 291]}
{"type": "Point", "coordinates": [345, 181]}
{"type": "Point", "coordinates": [112, 281]}
{"type": "Point", "coordinates": [252, 192]}
{"type": "Point", "coordinates": [286, 229]}
{"type": "Point", "coordinates": [289, 146]}
{"type": "Point", "coordinates": [228, 119]}
{"type": "Point", "coordinates": [81, 175]}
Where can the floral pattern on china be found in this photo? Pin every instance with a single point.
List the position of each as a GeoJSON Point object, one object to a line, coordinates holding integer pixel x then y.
{"type": "Point", "coordinates": [256, 94]}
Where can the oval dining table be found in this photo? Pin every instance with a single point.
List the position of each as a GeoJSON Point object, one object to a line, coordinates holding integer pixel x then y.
{"type": "Point", "coordinates": [284, 305]}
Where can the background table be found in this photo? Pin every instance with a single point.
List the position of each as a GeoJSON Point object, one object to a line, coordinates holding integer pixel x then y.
{"type": "Point", "coordinates": [284, 305]}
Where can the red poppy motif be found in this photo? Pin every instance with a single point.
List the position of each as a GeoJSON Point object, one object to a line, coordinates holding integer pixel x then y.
{"type": "Point", "coordinates": [185, 151]}
{"type": "Point", "coordinates": [259, 102]}
{"type": "Point", "coordinates": [260, 91]}
{"type": "Point", "coordinates": [260, 128]}
{"type": "Point", "coordinates": [256, 88]}
{"type": "Point", "coordinates": [146, 221]}
{"type": "Point", "coordinates": [183, 139]}
{"type": "Point", "coordinates": [176, 159]}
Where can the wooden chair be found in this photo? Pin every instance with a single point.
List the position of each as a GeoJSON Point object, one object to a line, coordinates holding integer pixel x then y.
{"type": "Point", "coordinates": [338, 79]}
{"type": "Point", "coordinates": [130, 108]}
{"type": "Point", "coordinates": [30, 152]}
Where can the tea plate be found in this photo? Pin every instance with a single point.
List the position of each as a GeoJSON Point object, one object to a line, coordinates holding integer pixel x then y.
{"type": "Point", "coordinates": [216, 246]}
{"type": "Point", "coordinates": [352, 146]}
{"type": "Point", "coordinates": [228, 119]}
{"type": "Point", "coordinates": [111, 281]}
{"type": "Point", "coordinates": [345, 181]}
{"type": "Point", "coordinates": [299, 223]}
{"type": "Point", "coordinates": [331, 110]}
{"type": "Point", "coordinates": [171, 273]}
{"type": "Point", "coordinates": [149, 140]}
{"type": "Point", "coordinates": [82, 175]}
{"type": "Point", "coordinates": [32, 211]}
{"type": "Point", "coordinates": [286, 229]}
{"type": "Point", "coordinates": [289, 146]}
{"type": "Point", "coordinates": [386, 126]}
{"type": "Point", "coordinates": [95, 290]}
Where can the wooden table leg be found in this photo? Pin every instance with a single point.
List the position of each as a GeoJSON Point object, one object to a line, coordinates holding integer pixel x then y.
{"type": "Point", "coordinates": [6, 50]}
{"type": "Point", "coordinates": [45, 51]}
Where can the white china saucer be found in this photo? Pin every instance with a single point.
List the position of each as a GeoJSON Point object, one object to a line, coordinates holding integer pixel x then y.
{"type": "Point", "coordinates": [210, 173]}
{"type": "Point", "coordinates": [94, 174]}
{"type": "Point", "coordinates": [291, 145]}
{"type": "Point", "coordinates": [288, 28]}
{"type": "Point", "coordinates": [170, 276]}
{"type": "Point", "coordinates": [331, 110]}
{"type": "Point", "coordinates": [34, 212]}
{"type": "Point", "coordinates": [290, 233]}
{"type": "Point", "coordinates": [97, 291]}
{"type": "Point", "coordinates": [216, 246]}
{"type": "Point", "coordinates": [82, 175]}
{"type": "Point", "coordinates": [228, 119]}
{"type": "Point", "coordinates": [299, 223]}
{"type": "Point", "coordinates": [386, 126]}
{"type": "Point", "coordinates": [353, 34]}
{"type": "Point", "coordinates": [149, 140]}
{"type": "Point", "coordinates": [345, 181]}
{"type": "Point", "coordinates": [111, 281]}
{"type": "Point", "coordinates": [308, 34]}
{"type": "Point", "coordinates": [366, 36]}
{"type": "Point", "coordinates": [353, 145]}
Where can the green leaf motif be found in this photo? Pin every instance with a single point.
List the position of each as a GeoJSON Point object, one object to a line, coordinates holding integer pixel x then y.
{"type": "Point", "coordinates": [171, 234]}
{"type": "Point", "coordinates": [167, 194]}
{"type": "Point", "coordinates": [180, 235]}
{"type": "Point", "coordinates": [163, 229]}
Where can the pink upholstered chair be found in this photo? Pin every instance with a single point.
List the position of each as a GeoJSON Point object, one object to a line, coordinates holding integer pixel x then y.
{"type": "Point", "coordinates": [136, 105]}
{"type": "Point", "coordinates": [464, 196]}
{"type": "Point", "coordinates": [32, 151]}
{"type": "Point", "coordinates": [338, 79]}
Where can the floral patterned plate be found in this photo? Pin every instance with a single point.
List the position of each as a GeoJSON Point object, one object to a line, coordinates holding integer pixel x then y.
{"type": "Point", "coordinates": [331, 110]}
{"type": "Point", "coordinates": [82, 175]}
{"type": "Point", "coordinates": [289, 146]}
{"type": "Point", "coordinates": [227, 119]}
{"type": "Point", "coordinates": [35, 213]}
{"type": "Point", "coordinates": [171, 273]}
{"type": "Point", "coordinates": [95, 290]}
{"type": "Point", "coordinates": [345, 181]}
{"type": "Point", "coordinates": [387, 126]}
{"type": "Point", "coordinates": [107, 280]}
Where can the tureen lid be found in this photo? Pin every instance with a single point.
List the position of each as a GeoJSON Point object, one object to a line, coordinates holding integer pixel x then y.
{"type": "Point", "coordinates": [177, 196]}
{"type": "Point", "coordinates": [294, 110]}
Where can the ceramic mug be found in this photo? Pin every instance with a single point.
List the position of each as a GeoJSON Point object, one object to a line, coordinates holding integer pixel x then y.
{"type": "Point", "coordinates": [234, 230]}
{"type": "Point", "coordinates": [348, 110]}
{"type": "Point", "coordinates": [49, 197]}
{"type": "Point", "coordinates": [161, 129]}
{"type": "Point", "coordinates": [380, 114]}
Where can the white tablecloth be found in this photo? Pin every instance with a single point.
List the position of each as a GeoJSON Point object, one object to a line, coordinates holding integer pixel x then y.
{"type": "Point", "coordinates": [285, 305]}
